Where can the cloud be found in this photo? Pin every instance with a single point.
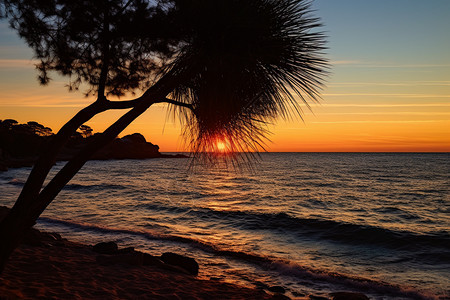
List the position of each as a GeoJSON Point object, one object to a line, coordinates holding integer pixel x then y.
{"type": "Point", "coordinates": [389, 105]}
{"type": "Point", "coordinates": [377, 121]}
{"type": "Point", "coordinates": [406, 83]}
{"type": "Point", "coordinates": [386, 95]}
{"type": "Point", "coordinates": [362, 64]}
{"type": "Point", "coordinates": [409, 113]}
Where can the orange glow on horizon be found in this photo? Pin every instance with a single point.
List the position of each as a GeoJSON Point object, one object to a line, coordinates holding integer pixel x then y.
{"type": "Point", "coordinates": [221, 146]}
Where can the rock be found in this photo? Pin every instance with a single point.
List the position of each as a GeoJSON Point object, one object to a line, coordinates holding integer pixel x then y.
{"type": "Point", "coordinates": [261, 285]}
{"type": "Point", "coordinates": [297, 294]}
{"type": "Point", "coordinates": [214, 278]}
{"type": "Point", "coordinates": [3, 212]}
{"type": "Point", "coordinates": [126, 250]}
{"type": "Point", "coordinates": [187, 263]}
{"type": "Point", "coordinates": [134, 138]}
{"type": "Point", "coordinates": [348, 296]}
{"type": "Point", "coordinates": [150, 260]}
{"type": "Point", "coordinates": [33, 237]}
{"type": "Point", "coordinates": [277, 289]}
{"type": "Point", "coordinates": [106, 248]}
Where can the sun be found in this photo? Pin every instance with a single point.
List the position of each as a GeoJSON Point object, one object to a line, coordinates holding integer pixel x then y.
{"type": "Point", "coordinates": [221, 146]}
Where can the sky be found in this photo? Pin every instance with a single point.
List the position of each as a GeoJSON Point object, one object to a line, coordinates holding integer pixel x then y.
{"type": "Point", "coordinates": [388, 90]}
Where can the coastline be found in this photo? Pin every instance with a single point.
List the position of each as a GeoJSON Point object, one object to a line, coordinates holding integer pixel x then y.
{"type": "Point", "coordinates": [60, 269]}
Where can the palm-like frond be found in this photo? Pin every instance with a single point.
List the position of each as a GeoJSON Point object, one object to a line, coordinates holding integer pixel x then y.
{"type": "Point", "coordinates": [250, 62]}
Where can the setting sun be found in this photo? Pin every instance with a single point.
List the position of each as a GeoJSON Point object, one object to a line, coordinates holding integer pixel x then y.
{"type": "Point", "coordinates": [221, 146]}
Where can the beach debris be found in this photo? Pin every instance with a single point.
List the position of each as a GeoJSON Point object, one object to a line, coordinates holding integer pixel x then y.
{"type": "Point", "coordinates": [348, 296]}
{"type": "Point", "coordinates": [106, 248]}
{"type": "Point", "coordinates": [187, 263]}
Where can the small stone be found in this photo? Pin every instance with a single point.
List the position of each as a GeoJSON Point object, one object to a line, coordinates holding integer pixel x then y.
{"type": "Point", "coordinates": [187, 263]}
{"type": "Point", "coordinates": [215, 278]}
{"type": "Point", "coordinates": [261, 285]}
{"type": "Point", "coordinates": [277, 289]}
{"type": "Point", "coordinates": [126, 250]}
{"type": "Point", "coordinates": [106, 248]}
{"type": "Point", "coordinates": [32, 237]}
{"type": "Point", "coordinates": [297, 294]}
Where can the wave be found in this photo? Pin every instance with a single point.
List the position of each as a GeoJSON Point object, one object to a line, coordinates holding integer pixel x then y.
{"type": "Point", "coordinates": [83, 187]}
{"type": "Point", "coordinates": [268, 263]}
{"type": "Point", "coordinates": [356, 234]}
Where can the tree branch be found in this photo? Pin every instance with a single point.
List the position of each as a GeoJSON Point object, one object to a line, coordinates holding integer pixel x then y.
{"type": "Point", "coordinates": [132, 103]}
{"type": "Point", "coordinates": [158, 91]}
{"type": "Point", "coordinates": [174, 102]}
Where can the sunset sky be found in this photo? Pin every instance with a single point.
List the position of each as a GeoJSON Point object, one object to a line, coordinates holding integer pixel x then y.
{"type": "Point", "coordinates": [389, 87]}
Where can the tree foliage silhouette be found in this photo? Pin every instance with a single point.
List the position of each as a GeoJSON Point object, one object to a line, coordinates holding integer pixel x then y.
{"type": "Point", "coordinates": [225, 67]}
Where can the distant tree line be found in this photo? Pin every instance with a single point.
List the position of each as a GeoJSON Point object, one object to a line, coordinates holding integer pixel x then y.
{"type": "Point", "coordinates": [19, 141]}
{"type": "Point", "coordinates": [21, 144]}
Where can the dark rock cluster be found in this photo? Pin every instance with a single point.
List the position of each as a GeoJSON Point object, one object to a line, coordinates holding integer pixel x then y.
{"type": "Point", "coordinates": [110, 254]}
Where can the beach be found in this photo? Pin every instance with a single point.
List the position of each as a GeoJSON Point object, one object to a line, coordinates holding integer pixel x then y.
{"type": "Point", "coordinates": [61, 269]}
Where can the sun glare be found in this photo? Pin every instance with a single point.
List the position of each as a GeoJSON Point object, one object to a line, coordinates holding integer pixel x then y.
{"type": "Point", "coordinates": [221, 146]}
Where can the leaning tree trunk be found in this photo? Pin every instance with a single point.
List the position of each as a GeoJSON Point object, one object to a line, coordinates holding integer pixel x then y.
{"type": "Point", "coordinates": [11, 232]}
{"type": "Point", "coordinates": [24, 215]}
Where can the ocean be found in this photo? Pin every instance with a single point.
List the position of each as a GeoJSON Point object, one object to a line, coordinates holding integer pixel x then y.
{"type": "Point", "coordinates": [314, 223]}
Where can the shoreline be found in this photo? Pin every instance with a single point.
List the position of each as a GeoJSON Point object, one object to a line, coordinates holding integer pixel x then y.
{"type": "Point", "coordinates": [61, 269]}
{"type": "Point", "coordinates": [47, 266]}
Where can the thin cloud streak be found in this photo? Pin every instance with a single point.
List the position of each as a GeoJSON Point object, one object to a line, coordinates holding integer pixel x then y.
{"type": "Point", "coordinates": [388, 121]}
{"type": "Point", "coordinates": [410, 83]}
{"type": "Point", "coordinates": [389, 105]}
{"type": "Point", "coordinates": [390, 113]}
{"type": "Point", "coordinates": [387, 95]}
{"type": "Point", "coordinates": [360, 64]}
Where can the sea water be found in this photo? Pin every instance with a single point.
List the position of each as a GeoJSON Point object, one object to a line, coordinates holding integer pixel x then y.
{"type": "Point", "coordinates": [313, 223]}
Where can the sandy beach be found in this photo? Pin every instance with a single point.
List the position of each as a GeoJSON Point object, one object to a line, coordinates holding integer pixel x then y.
{"type": "Point", "coordinates": [67, 270]}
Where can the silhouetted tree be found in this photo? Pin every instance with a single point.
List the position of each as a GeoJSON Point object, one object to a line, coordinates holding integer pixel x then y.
{"type": "Point", "coordinates": [227, 67]}
{"type": "Point", "coordinates": [8, 123]}
{"type": "Point", "coordinates": [86, 131]}
{"type": "Point", "coordinates": [39, 129]}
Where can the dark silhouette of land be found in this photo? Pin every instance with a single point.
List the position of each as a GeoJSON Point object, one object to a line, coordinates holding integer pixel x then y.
{"type": "Point", "coordinates": [21, 145]}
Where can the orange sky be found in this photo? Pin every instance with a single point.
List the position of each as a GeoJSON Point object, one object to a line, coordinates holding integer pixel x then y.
{"type": "Point", "coordinates": [389, 89]}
